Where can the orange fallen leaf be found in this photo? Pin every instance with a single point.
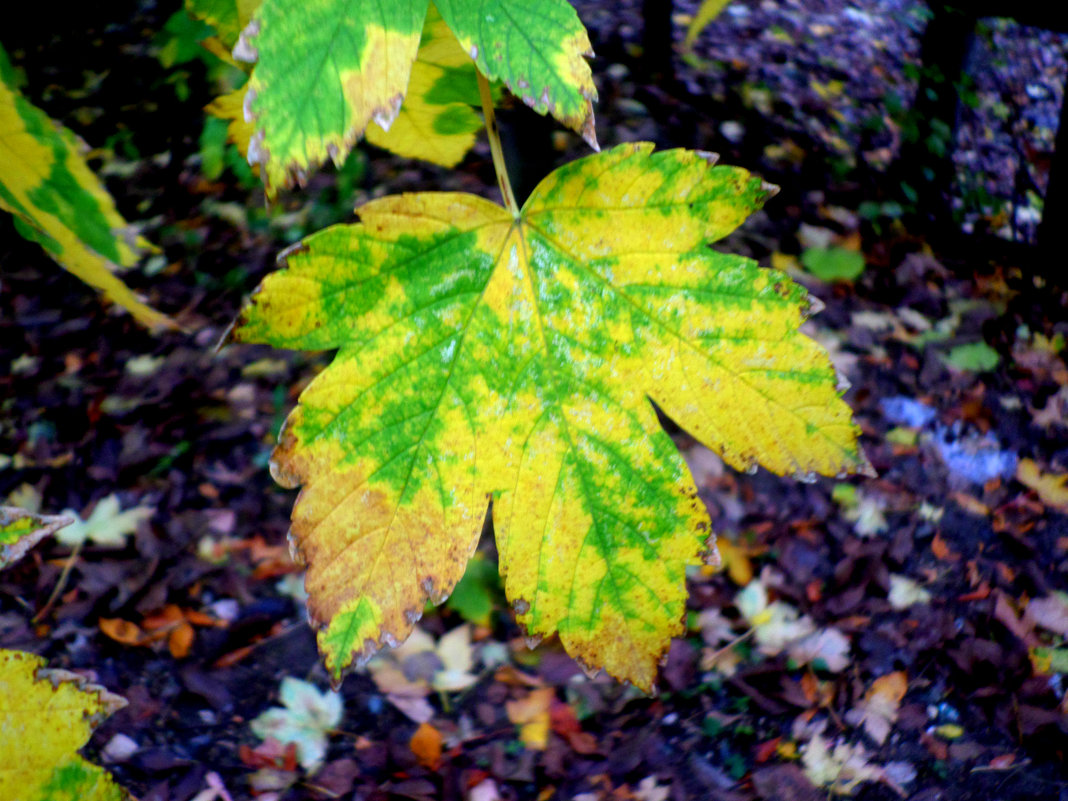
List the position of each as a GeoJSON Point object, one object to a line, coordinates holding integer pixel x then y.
{"type": "Point", "coordinates": [1002, 761]}
{"type": "Point", "coordinates": [877, 712]}
{"type": "Point", "coordinates": [180, 640]}
{"type": "Point", "coordinates": [735, 561]}
{"type": "Point", "coordinates": [941, 550]}
{"type": "Point", "coordinates": [766, 750]}
{"type": "Point", "coordinates": [426, 745]}
{"type": "Point", "coordinates": [121, 630]}
{"type": "Point", "coordinates": [971, 504]}
{"type": "Point", "coordinates": [565, 723]}
{"type": "Point", "coordinates": [507, 674]}
{"type": "Point", "coordinates": [980, 593]}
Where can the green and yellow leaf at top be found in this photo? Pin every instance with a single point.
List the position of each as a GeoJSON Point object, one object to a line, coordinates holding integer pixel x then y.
{"type": "Point", "coordinates": [538, 48]}
{"type": "Point", "coordinates": [437, 121]}
{"type": "Point", "coordinates": [324, 69]}
{"type": "Point", "coordinates": [45, 717]}
{"type": "Point", "coordinates": [482, 355]}
{"type": "Point", "coordinates": [59, 203]}
{"type": "Point", "coordinates": [228, 17]}
{"type": "Point", "coordinates": [20, 530]}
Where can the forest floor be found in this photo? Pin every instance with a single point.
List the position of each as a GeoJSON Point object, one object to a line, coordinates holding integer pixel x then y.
{"type": "Point", "coordinates": [894, 637]}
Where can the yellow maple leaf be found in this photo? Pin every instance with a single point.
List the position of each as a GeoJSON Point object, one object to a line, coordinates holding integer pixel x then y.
{"type": "Point", "coordinates": [483, 354]}
{"type": "Point", "coordinates": [45, 717]}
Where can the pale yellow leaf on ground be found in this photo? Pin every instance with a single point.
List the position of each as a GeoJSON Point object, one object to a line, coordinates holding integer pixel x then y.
{"type": "Point", "coordinates": [1052, 488]}
{"type": "Point", "coordinates": [531, 715]}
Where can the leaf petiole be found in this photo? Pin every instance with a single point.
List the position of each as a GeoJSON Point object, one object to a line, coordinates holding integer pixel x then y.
{"type": "Point", "coordinates": [499, 165]}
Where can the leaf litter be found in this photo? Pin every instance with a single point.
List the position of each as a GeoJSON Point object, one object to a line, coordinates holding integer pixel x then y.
{"type": "Point", "coordinates": [960, 592]}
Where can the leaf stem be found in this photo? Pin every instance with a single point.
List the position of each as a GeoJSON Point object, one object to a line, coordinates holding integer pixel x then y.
{"type": "Point", "coordinates": [499, 165]}
{"type": "Point", "coordinates": [61, 583]}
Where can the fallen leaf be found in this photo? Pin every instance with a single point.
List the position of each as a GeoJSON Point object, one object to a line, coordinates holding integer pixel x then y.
{"type": "Point", "coordinates": [1050, 612]}
{"type": "Point", "coordinates": [20, 530]}
{"type": "Point", "coordinates": [531, 714]}
{"type": "Point", "coordinates": [106, 525]}
{"type": "Point", "coordinates": [306, 719]}
{"type": "Point", "coordinates": [1051, 488]}
{"type": "Point", "coordinates": [877, 711]}
{"type": "Point", "coordinates": [904, 592]}
{"type": "Point", "coordinates": [649, 789]}
{"type": "Point", "coordinates": [825, 649]}
{"type": "Point", "coordinates": [841, 767]}
{"type": "Point", "coordinates": [426, 745]}
{"type": "Point", "coordinates": [972, 357]}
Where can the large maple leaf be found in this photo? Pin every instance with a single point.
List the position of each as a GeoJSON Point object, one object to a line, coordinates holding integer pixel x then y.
{"type": "Point", "coordinates": [326, 69]}
{"type": "Point", "coordinates": [485, 355]}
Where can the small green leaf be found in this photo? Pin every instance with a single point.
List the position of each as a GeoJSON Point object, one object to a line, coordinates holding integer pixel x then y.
{"type": "Point", "coordinates": [833, 264]}
{"type": "Point", "coordinates": [977, 357]}
{"type": "Point", "coordinates": [708, 11]}
{"type": "Point", "coordinates": [475, 596]}
{"type": "Point", "coordinates": [1050, 660]}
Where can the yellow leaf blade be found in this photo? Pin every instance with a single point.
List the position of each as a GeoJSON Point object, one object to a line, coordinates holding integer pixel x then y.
{"type": "Point", "coordinates": [486, 356]}
{"type": "Point", "coordinates": [45, 716]}
{"type": "Point", "coordinates": [59, 203]}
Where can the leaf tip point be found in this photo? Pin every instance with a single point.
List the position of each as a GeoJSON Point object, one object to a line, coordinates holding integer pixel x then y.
{"type": "Point", "coordinates": [385, 116]}
{"type": "Point", "coordinates": [769, 190]}
{"type": "Point", "coordinates": [243, 50]}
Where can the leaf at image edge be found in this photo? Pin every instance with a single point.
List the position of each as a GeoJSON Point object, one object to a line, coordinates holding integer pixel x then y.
{"type": "Point", "coordinates": [59, 203]}
{"type": "Point", "coordinates": [323, 71]}
{"type": "Point", "coordinates": [21, 530]}
{"type": "Point", "coordinates": [45, 717]}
